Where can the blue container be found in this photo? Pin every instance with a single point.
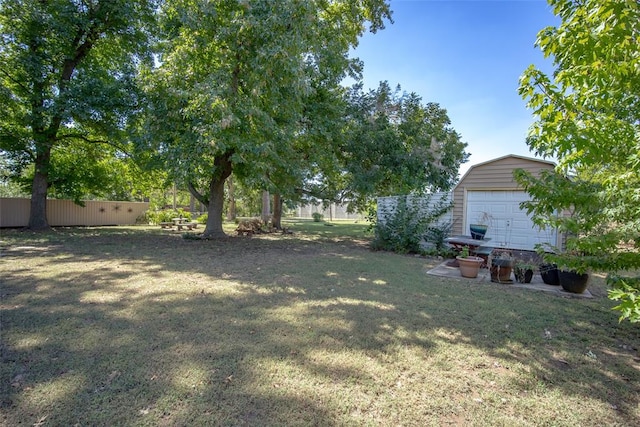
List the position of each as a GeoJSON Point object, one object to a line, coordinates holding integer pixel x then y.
{"type": "Point", "coordinates": [478, 231]}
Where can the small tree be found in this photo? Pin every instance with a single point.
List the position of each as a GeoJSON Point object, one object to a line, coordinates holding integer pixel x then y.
{"type": "Point", "coordinates": [588, 117]}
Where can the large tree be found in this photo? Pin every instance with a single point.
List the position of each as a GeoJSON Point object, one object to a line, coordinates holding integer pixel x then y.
{"type": "Point", "coordinates": [233, 79]}
{"type": "Point", "coordinates": [588, 118]}
{"type": "Point", "coordinates": [384, 142]}
{"type": "Point", "coordinates": [67, 76]}
{"type": "Point", "coordinates": [396, 144]}
{"type": "Point", "coordinates": [355, 145]}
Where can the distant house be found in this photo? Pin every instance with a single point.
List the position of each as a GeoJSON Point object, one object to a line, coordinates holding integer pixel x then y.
{"type": "Point", "coordinates": [490, 187]}
{"type": "Point", "coordinates": [331, 212]}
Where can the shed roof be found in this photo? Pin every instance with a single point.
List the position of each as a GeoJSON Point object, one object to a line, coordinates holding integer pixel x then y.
{"type": "Point", "coordinates": [498, 159]}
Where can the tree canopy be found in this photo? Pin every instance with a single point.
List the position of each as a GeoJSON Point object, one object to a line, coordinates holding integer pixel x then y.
{"type": "Point", "coordinates": [67, 78]}
{"type": "Point", "coordinates": [233, 79]}
{"type": "Point", "coordinates": [386, 142]}
{"type": "Point", "coordinates": [588, 118]}
{"type": "Point", "coordinates": [252, 88]}
{"type": "Point", "coordinates": [395, 144]}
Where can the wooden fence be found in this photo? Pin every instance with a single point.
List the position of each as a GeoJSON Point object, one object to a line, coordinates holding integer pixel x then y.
{"type": "Point", "coordinates": [14, 212]}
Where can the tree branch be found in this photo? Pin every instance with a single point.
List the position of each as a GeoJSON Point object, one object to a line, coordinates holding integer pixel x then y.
{"type": "Point", "coordinates": [95, 141]}
{"type": "Point", "coordinates": [318, 194]}
{"type": "Point", "coordinates": [199, 197]}
{"type": "Point", "coordinates": [83, 42]}
{"type": "Point", "coordinates": [19, 83]}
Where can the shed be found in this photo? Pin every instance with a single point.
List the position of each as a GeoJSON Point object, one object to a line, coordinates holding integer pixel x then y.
{"type": "Point", "coordinates": [489, 187]}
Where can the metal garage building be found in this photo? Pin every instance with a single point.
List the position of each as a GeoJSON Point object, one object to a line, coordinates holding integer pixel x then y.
{"type": "Point", "coordinates": [490, 187]}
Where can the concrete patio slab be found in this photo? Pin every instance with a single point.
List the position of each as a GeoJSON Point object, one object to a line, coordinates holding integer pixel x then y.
{"type": "Point", "coordinates": [484, 276]}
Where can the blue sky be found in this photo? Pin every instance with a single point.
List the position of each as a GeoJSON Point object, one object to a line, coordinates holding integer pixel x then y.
{"type": "Point", "coordinates": [467, 56]}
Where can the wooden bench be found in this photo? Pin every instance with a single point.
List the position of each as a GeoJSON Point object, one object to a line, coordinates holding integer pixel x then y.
{"type": "Point", "coordinates": [476, 246]}
{"type": "Point", "coordinates": [483, 252]}
{"type": "Point", "coordinates": [166, 224]}
{"type": "Point", "coordinates": [188, 225]}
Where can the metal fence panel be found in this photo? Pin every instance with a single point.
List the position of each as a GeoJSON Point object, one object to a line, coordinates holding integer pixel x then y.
{"type": "Point", "coordinates": [14, 212]}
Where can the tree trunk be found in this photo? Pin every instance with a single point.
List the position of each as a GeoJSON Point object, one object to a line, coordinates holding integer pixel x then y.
{"type": "Point", "coordinates": [276, 219]}
{"type": "Point", "coordinates": [231, 211]}
{"type": "Point", "coordinates": [45, 129]}
{"type": "Point", "coordinates": [192, 205]}
{"type": "Point", "coordinates": [175, 195]}
{"type": "Point", "coordinates": [216, 203]}
{"type": "Point", "coordinates": [222, 171]}
{"type": "Point", "coordinates": [38, 213]}
{"type": "Point", "coordinates": [266, 208]}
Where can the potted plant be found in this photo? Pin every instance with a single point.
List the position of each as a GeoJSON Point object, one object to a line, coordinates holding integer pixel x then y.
{"type": "Point", "coordinates": [523, 271]}
{"type": "Point", "coordinates": [573, 281]}
{"type": "Point", "coordinates": [469, 265]}
{"type": "Point", "coordinates": [569, 267]}
{"type": "Point", "coordinates": [479, 228]}
{"type": "Point", "coordinates": [549, 274]}
{"type": "Point", "coordinates": [501, 267]}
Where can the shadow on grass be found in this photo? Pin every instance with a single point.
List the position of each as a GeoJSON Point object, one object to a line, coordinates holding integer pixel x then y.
{"type": "Point", "coordinates": [144, 327]}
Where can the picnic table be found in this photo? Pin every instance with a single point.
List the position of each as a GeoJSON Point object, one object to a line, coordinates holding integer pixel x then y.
{"type": "Point", "coordinates": [179, 223]}
{"type": "Point", "coordinates": [477, 247]}
{"type": "Point", "coordinates": [189, 225]}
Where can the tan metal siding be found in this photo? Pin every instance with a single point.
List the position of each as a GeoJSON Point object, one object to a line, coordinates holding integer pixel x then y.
{"type": "Point", "coordinates": [14, 212]}
{"type": "Point", "coordinates": [492, 175]}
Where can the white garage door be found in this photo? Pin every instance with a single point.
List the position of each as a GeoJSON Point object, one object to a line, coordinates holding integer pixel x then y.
{"type": "Point", "coordinates": [510, 226]}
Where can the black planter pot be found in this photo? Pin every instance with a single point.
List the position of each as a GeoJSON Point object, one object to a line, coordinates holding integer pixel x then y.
{"type": "Point", "coordinates": [573, 282]}
{"type": "Point", "coordinates": [549, 274]}
{"type": "Point", "coordinates": [523, 275]}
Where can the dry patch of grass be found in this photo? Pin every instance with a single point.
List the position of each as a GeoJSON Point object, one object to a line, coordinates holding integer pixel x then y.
{"type": "Point", "coordinates": [138, 326]}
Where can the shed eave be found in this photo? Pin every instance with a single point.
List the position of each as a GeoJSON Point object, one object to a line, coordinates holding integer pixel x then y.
{"type": "Point", "coordinates": [517, 156]}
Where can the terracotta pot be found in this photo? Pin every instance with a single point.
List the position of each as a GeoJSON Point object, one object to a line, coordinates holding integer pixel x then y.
{"type": "Point", "coordinates": [469, 266]}
{"type": "Point", "coordinates": [573, 282]}
{"type": "Point", "coordinates": [501, 270]}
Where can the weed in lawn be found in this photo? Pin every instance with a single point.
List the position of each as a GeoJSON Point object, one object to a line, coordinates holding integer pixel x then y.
{"type": "Point", "coordinates": [139, 326]}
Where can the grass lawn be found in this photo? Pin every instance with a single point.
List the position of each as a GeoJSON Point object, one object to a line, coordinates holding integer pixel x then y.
{"type": "Point", "coordinates": [138, 326]}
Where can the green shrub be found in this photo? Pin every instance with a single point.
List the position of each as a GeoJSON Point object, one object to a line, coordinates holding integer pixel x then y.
{"type": "Point", "coordinates": [156, 217]}
{"type": "Point", "coordinates": [317, 216]}
{"type": "Point", "coordinates": [436, 235]}
{"type": "Point", "coordinates": [149, 217]}
{"type": "Point", "coordinates": [202, 219]}
{"type": "Point", "coordinates": [144, 218]}
{"type": "Point", "coordinates": [412, 222]}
